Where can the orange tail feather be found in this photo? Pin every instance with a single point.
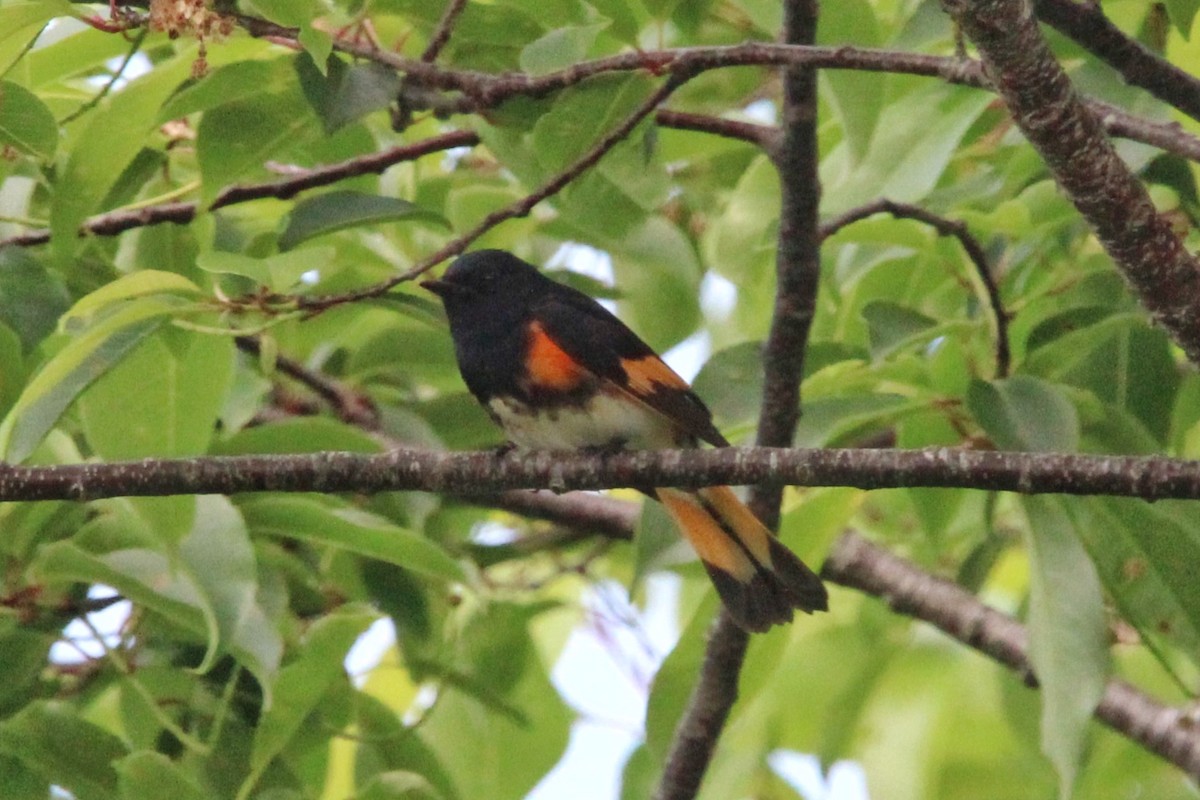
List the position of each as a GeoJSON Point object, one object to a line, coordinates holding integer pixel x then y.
{"type": "Point", "coordinates": [759, 580]}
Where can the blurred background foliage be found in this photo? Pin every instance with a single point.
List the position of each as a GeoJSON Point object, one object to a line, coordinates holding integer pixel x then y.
{"type": "Point", "coordinates": [224, 676]}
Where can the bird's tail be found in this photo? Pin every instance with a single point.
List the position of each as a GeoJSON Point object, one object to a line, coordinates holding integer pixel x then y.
{"type": "Point", "coordinates": [760, 581]}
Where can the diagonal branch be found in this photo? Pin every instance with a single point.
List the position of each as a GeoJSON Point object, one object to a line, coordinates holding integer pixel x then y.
{"type": "Point", "coordinates": [908, 590]}
{"type": "Point", "coordinates": [115, 222]}
{"type": "Point", "coordinates": [1049, 112]}
{"type": "Point", "coordinates": [1139, 66]}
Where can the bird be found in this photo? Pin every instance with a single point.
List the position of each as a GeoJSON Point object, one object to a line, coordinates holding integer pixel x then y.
{"type": "Point", "coordinates": [556, 370]}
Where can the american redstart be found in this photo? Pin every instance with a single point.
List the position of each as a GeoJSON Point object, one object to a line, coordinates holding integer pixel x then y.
{"type": "Point", "coordinates": [557, 371]}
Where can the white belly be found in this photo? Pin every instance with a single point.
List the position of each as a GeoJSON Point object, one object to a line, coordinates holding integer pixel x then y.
{"type": "Point", "coordinates": [604, 422]}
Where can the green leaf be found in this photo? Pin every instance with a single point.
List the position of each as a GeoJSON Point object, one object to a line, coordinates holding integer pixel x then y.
{"type": "Point", "coordinates": [302, 684]}
{"type": "Point", "coordinates": [25, 122]}
{"type": "Point", "coordinates": [235, 141]}
{"type": "Point", "coordinates": [217, 553]}
{"type": "Point", "coordinates": [207, 587]}
{"type": "Point", "coordinates": [509, 676]}
{"type": "Point", "coordinates": [144, 774]}
{"type": "Point", "coordinates": [128, 287]}
{"type": "Point", "coordinates": [1118, 358]}
{"type": "Point", "coordinates": [398, 785]}
{"type": "Point", "coordinates": [72, 369]}
{"type": "Point", "coordinates": [730, 383]}
{"type": "Point", "coordinates": [344, 92]}
{"type": "Point", "coordinates": [656, 268]}
{"type": "Point", "coordinates": [242, 80]}
{"type": "Point", "coordinates": [332, 522]}
{"type": "Point", "coordinates": [115, 134]}
{"type": "Point", "coordinates": [584, 113]}
{"type": "Point", "coordinates": [892, 326]}
{"type": "Point", "coordinates": [299, 435]}
{"type": "Point", "coordinates": [906, 162]}
{"type": "Point", "coordinates": [1025, 413]}
{"type": "Point", "coordinates": [21, 21]}
{"type": "Point", "coordinates": [390, 746]}
{"type": "Point", "coordinates": [741, 241]}
{"type": "Point", "coordinates": [626, 18]}
{"type": "Point", "coordinates": [1068, 634]}
{"type": "Point", "coordinates": [167, 397]}
{"type": "Point", "coordinates": [559, 48]}
{"type": "Point", "coordinates": [1182, 13]}
{"type": "Point", "coordinates": [857, 98]}
{"type": "Point", "coordinates": [31, 297]}
{"type": "Point", "coordinates": [280, 273]}
{"type": "Point", "coordinates": [1144, 554]}
{"type": "Point", "coordinates": [335, 211]}
{"type": "Point", "coordinates": [51, 739]}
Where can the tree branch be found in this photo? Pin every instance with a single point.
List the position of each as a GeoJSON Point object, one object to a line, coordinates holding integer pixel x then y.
{"type": "Point", "coordinates": [486, 472]}
{"type": "Point", "coordinates": [115, 222]}
{"type": "Point", "coordinates": [764, 136]}
{"type": "Point", "coordinates": [1045, 106]}
{"type": "Point", "coordinates": [1087, 25]}
{"type": "Point", "coordinates": [445, 26]}
{"type": "Point", "coordinates": [944, 227]}
{"type": "Point", "coordinates": [908, 590]}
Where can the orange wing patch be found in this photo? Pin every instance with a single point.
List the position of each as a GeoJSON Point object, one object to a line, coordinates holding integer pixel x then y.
{"type": "Point", "coordinates": [648, 372]}
{"type": "Point", "coordinates": [549, 366]}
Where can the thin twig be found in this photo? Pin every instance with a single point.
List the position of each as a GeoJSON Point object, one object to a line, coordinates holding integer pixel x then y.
{"type": "Point", "coordinates": [350, 406]}
{"type": "Point", "coordinates": [134, 45]}
{"type": "Point", "coordinates": [517, 209]}
{"type": "Point", "coordinates": [445, 26]}
{"type": "Point", "coordinates": [764, 136]}
{"type": "Point", "coordinates": [944, 227]}
{"type": "Point", "coordinates": [181, 213]}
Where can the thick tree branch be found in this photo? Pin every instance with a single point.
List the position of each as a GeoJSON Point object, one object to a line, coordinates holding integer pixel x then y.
{"type": "Point", "coordinates": [1050, 114]}
{"type": "Point", "coordinates": [908, 590]}
{"type": "Point", "coordinates": [1148, 477]}
{"type": "Point", "coordinates": [944, 227]}
{"type": "Point", "coordinates": [797, 271]}
{"type": "Point", "coordinates": [1139, 66]}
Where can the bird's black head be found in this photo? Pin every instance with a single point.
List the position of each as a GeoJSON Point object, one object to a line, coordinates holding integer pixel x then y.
{"type": "Point", "coordinates": [485, 276]}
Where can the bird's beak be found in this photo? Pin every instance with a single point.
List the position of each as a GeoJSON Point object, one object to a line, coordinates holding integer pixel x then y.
{"type": "Point", "coordinates": [440, 288]}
